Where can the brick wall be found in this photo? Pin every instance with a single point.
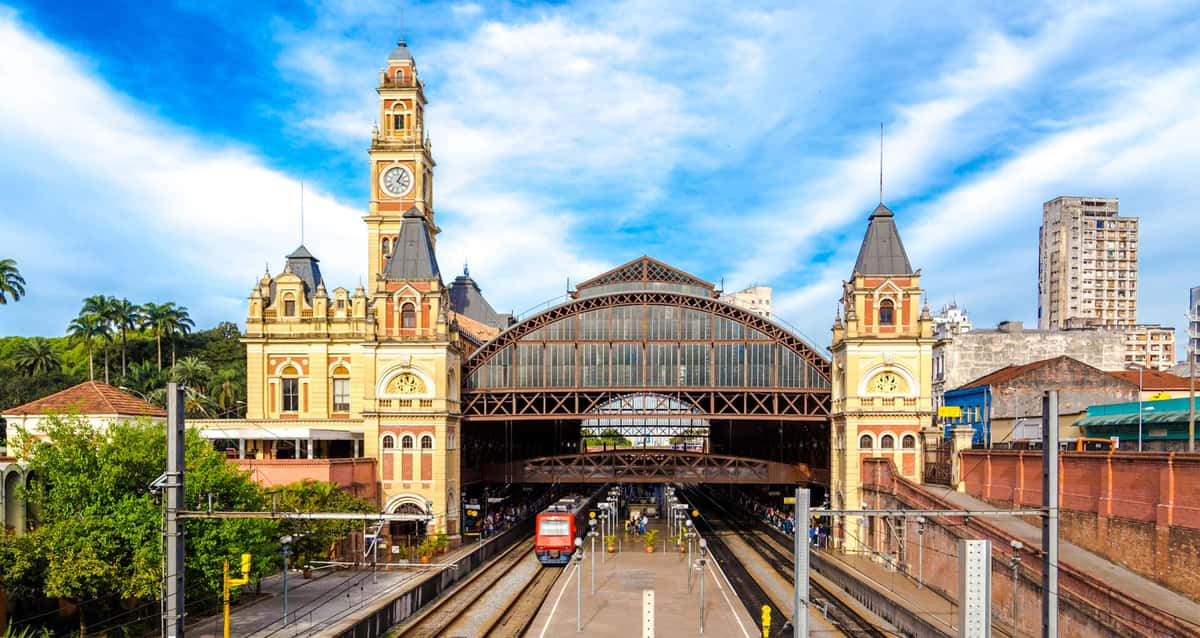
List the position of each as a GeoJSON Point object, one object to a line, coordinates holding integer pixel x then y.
{"type": "Point", "coordinates": [1139, 510]}
{"type": "Point", "coordinates": [1087, 606]}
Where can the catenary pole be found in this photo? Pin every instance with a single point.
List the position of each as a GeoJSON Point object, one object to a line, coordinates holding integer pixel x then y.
{"type": "Point", "coordinates": [1050, 519]}
{"type": "Point", "coordinates": [173, 534]}
{"type": "Point", "coordinates": [800, 592]}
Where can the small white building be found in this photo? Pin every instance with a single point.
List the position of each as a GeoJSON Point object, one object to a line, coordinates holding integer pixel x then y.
{"type": "Point", "coordinates": [756, 299]}
{"type": "Point", "coordinates": [95, 401]}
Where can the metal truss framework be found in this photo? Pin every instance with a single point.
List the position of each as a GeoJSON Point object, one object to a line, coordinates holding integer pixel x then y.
{"type": "Point", "coordinates": [533, 404]}
{"type": "Point", "coordinates": [658, 466]}
{"type": "Point", "coordinates": [725, 402]}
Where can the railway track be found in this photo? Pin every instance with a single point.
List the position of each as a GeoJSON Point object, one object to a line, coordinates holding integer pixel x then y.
{"type": "Point", "coordinates": [840, 612]}
{"type": "Point", "coordinates": [499, 599]}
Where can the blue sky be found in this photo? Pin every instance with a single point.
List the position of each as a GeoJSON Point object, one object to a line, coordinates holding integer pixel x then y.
{"type": "Point", "coordinates": [154, 150]}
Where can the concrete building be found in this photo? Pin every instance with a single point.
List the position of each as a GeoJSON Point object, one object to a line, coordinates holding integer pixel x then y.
{"type": "Point", "coordinates": [959, 358]}
{"type": "Point", "coordinates": [1006, 405]}
{"type": "Point", "coordinates": [756, 299]}
{"type": "Point", "coordinates": [1087, 264]}
{"type": "Point", "coordinates": [1194, 324]}
{"type": "Point", "coordinates": [1163, 425]}
{"type": "Point", "coordinates": [1150, 345]}
{"type": "Point", "coordinates": [951, 320]}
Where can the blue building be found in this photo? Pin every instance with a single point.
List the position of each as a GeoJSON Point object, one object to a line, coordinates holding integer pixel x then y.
{"type": "Point", "coordinates": [975, 401]}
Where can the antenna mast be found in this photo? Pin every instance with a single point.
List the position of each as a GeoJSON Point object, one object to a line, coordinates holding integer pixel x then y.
{"type": "Point", "coordinates": [301, 212]}
{"type": "Point", "coordinates": [881, 162]}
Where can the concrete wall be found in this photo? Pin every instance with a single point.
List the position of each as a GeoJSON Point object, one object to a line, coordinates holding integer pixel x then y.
{"type": "Point", "coordinates": [1087, 606]}
{"type": "Point", "coordinates": [967, 357]}
{"type": "Point", "coordinates": [1139, 510]}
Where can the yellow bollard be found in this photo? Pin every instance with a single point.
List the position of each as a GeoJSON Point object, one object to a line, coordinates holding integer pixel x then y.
{"type": "Point", "coordinates": [766, 621]}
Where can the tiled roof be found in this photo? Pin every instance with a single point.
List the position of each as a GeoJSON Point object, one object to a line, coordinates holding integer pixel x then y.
{"type": "Point", "coordinates": [90, 397]}
{"type": "Point", "coordinates": [479, 330]}
{"type": "Point", "coordinates": [1009, 372]}
{"type": "Point", "coordinates": [1153, 379]}
{"type": "Point", "coordinates": [412, 257]}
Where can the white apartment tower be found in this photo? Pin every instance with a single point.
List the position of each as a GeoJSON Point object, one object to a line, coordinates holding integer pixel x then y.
{"type": "Point", "coordinates": [1087, 265]}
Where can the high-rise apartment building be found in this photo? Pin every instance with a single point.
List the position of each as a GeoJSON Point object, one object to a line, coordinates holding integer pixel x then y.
{"type": "Point", "coordinates": [1194, 324]}
{"type": "Point", "coordinates": [756, 299]}
{"type": "Point", "coordinates": [1150, 345]}
{"type": "Point", "coordinates": [1087, 265]}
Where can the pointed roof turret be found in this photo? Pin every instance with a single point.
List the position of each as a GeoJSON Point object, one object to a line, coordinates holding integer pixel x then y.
{"type": "Point", "coordinates": [401, 52]}
{"type": "Point", "coordinates": [412, 257]}
{"type": "Point", "coordinates": [304, 265]}
{"type": "Point", "coordinates": [882, 252]}
{"type": "Point", "coordinates": [467, 299]}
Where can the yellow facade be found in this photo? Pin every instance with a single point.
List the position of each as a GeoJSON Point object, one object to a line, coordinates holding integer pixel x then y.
{"type": "Point", "coordinates": [379, 366]}
{"type": "Point", "coordinates": [882, 381]}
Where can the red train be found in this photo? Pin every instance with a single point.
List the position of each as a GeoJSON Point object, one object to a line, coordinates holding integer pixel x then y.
{"type": "Point", "coordinates": [558, 526]}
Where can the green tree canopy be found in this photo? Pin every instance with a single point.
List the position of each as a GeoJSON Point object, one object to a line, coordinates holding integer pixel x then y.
{"type": "Point", "coordinates": [12, 284]}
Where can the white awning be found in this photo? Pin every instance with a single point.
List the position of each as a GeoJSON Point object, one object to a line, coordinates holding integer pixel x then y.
{"type": "Point", "coordinates": [281, 434]}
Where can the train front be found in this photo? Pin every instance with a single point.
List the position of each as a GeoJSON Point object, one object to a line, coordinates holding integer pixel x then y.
{"type": "Point", "coordinates": [555, 539]}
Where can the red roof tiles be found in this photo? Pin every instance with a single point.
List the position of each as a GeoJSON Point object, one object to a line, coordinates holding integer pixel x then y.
{"type": "Point", "coordinates": [90, 397]}
{"type": "Point", "coordinates": [1153, 379]}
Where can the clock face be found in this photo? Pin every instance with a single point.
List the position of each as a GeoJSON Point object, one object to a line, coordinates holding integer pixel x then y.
{"type": "Point", "coordinates": [396, 181]}
{"type": "Point", "coordinates": [886, 383]}
{"type": "Point", "coordinates": [406, 383]}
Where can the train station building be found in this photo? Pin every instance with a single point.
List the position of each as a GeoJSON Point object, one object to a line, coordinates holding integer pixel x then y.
{"type": "Point", "coordinates": [410, 391]}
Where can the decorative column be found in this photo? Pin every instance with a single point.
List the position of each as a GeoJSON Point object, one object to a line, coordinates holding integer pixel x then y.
{"type": "Point", "coordinates": [960, 440]}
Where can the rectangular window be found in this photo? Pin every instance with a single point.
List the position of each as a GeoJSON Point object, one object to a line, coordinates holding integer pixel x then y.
{"type": "Point", "coordinates": [341, 395]}
{"type": "Point", "coordinates": [291, 395]}
{"type": "Point", "coordinates": [554, 527]}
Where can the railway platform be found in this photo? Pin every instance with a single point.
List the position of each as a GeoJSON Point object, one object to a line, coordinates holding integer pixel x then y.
{"type": "Point", "coordinates": [616, 608]}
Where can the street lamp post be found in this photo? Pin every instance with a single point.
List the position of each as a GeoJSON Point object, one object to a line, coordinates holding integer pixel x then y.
{"type": "Point", "coordinates": [702, 561]}
{"type": "Point", "coordinates": [592, 534]}
{"type": "Point", "coordinates": [579, 585]}
{"type": "Point", "coordinates": [285, 541]}
{"type": "Point", "coordinates": [920, 552]}
{"type": "Point", "coordinates": [1015, 559]}
{"type": "Point", "coordinates": [1140, 369]}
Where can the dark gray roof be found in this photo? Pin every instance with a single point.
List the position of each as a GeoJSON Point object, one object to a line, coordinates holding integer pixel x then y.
{"type": "Point", "coordinates": [467, 299]}
{"type": "Point", "coordinates": [303, 264]}
{"type": "Point", "coordinates": [400, 52]}
{"type": "Point", "coordinates": [882, 252]}
{"type": "Point", "coordinates": [412, 257]}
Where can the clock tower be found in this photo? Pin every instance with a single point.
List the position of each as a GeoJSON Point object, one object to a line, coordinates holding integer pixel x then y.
{"type": "Point", "coordinates": [401, 160]}
{"type": "Point", "coordinates": [882, 369]}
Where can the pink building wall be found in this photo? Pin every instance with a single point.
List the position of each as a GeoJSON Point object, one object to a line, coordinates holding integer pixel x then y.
{"type": "Point", "coordinates": [356, 475]}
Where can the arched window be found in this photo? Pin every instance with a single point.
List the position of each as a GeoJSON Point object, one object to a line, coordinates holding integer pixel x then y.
{"type": "Point", "coordinates": [426, 442]}
{"type": "Point", "coordinates": [887, 313]}
{"type": "Point", "coordinates": [389, 442]}
{"type": "Point", "coordinates": [908, 442]}
{"type": "Point", "coordinates": [341, 389]}
{"type": "Point", "coordinates": [887, 442]}
{"type": "Point", "coordinates": [406, 442]}
{"type": "Point", "coordinates": [387, 245]}
{"type": "Point", "coordinates": [399, 76]}
{"type": "Point", "coordinates": [408, 316]}
{"type": "Point", "coordinates": [289, 305]}
{"type": "Point", "coordinates": [401, 118]}
{"type": "Point", "coordinates": [864, 442]}
{"type": "Point", "coordinates": [289, 389]}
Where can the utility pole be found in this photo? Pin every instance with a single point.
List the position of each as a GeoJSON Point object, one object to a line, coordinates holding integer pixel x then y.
{"type": "Point", "coordinates": [800, 591]}
{"type": "Point", "coordinates": [1193, 334]}
{"type": "Point", "coordinates": [1050, 520]}
{"type": "Point", "coordinates": [173, 533]}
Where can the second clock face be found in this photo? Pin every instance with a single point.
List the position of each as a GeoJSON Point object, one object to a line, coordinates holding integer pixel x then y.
{"type": "Point", "coordinates": [886, 383]}
{"type": "Point", "coordinates": [396, 181]}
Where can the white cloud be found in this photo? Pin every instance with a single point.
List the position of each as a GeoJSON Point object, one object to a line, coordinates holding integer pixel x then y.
{"type": "Point", "coordinates": [139, 206]}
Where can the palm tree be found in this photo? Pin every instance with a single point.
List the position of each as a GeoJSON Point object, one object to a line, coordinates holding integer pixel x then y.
{"type": "Point", "coordinates": [12, 284]}
{"type": "Point", "coordinates": [86, 328]}
{"type": "Point", "coordinates": [36, 358]}
{"type": "Point", "coordinates": [192, 372]}
{"type": "Point", "coordinates": [166, 320]}
{"type": "Point", "coordinates": [125, 316]}
{"type": "Point", "coordinates": [101, 307]}
{"type": "Point", "coordinates": [145, 378]}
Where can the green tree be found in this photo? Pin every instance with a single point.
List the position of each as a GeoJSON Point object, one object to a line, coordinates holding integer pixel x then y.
{"type": "Point", "coordinates": [192, 372]}
{"type": "Point", "coordinates": [167, 320]}
{"type": "Point", "coordinates": [312, 540]}
{"type": "Point", "coordinates": [101, 307]}
{"type": "Point", "coordinates": [610, 437]}
{"type": "Point", "coordinates": [125, 316]}
{"type": "Point", "coordinates": [145, 378]}
{"type": "Point", "coordinates": [87, 329]}
{"type": "Point", "coordinates": [12, 284]}
{"type": "Point", "coordinates": [37, 358]}
{"type": "Point", "coordinates": [99, 526]}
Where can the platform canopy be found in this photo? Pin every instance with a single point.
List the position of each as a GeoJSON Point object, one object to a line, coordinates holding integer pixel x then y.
{"type": "Point", "coordinates": [279, 434]}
